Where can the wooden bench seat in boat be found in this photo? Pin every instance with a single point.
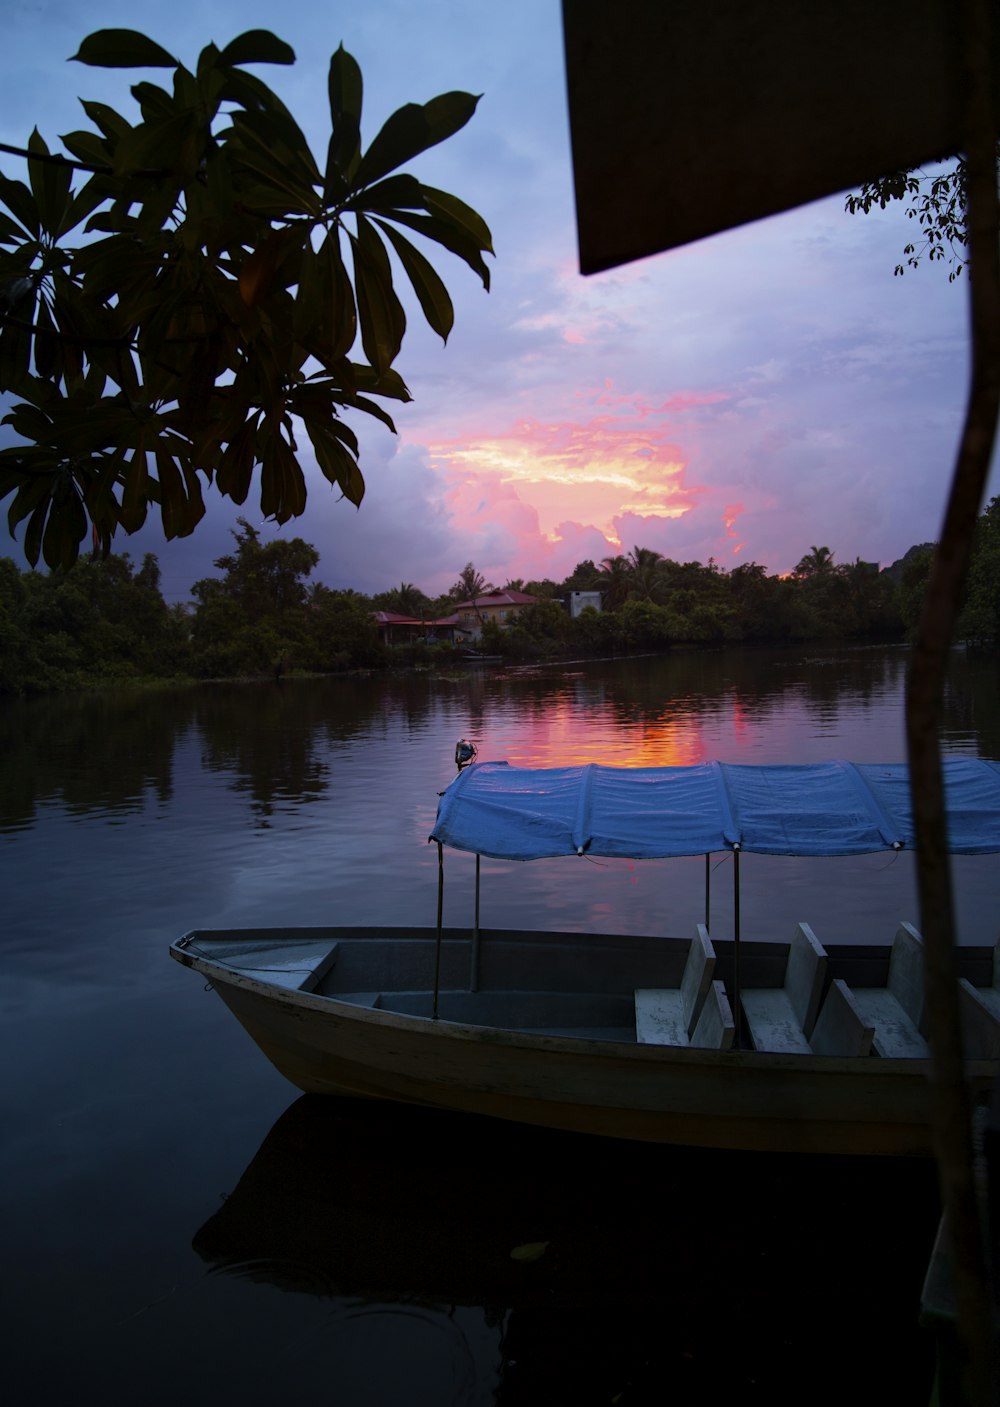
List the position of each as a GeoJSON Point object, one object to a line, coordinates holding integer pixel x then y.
{"type": "Point", "coordinates": [991, 995]}
{"type": "Point", "coordinates": [979, 1013]}
{"type": "Point", "coordinates": [782, 1019]}
{"type": "Point", "coordinates": [897, 1010]}
{"type": "Point", "coordinates": [715, 1028]}
{"type": "Point", "coordinates": [840, 1028]}
{"type": "Point", "coordinates": [670, 1015]}
{"type": "Point", "coordinates": [297, 966]}
{"type": "Point", "coordinates": [979, 1010]}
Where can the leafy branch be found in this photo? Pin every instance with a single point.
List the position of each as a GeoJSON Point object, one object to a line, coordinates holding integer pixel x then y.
{"type": "Point", "coordinates": [183, 291]}
{"type": "Point", "coordinates": [938, 205]}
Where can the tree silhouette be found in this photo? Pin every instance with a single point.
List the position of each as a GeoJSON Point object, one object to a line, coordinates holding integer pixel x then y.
{"type": "Point", "coordinates": [614, 581]}
{"type": "Point", "coordinates": [181, 316]}
{"type": "Point", "coordinates": [471, 584]}
{"type": "Point", "coordinates": [646, 574]}
{"type": "Point", "coordinates": [818, 561]}
{"type": "Point", "coordinates": [938, 205]}
{"type": "Point", "coordinates": [405, 599]}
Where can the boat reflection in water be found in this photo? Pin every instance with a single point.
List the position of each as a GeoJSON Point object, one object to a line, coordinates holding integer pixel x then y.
{"type": "Point", "coordinates": [472, 1261]}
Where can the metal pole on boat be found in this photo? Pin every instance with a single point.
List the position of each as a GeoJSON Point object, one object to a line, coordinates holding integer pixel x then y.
{"type": "Point", "coordinates": [474, 956]}
{"type": "Point", "coordinates": [737, 1004]}
{"type": "Point", "coordinates": [437, 946]}
{"type": "Point", "coordinates": [708, 890]}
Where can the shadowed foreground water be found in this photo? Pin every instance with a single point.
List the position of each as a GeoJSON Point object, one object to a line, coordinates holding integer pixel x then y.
{"type": "Point", "coordinates": [179, 1226]}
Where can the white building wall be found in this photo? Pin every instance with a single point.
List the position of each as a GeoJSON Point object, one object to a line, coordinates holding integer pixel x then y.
{"type": "Point", "coordinates": [580, 600]}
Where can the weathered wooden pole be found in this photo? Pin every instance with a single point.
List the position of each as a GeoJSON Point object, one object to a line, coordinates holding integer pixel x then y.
{"type": "Point", "coordinates": [950, 1107]}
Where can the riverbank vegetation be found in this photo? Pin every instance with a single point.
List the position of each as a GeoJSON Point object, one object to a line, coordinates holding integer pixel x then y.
{"type": "Point", "coordinates": [106, 622]}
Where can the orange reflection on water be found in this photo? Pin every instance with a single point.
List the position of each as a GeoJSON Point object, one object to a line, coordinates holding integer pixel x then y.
{"type": "Point", "coordinates": [557, 736]}
{"type": "Point", "coordinates": [740, 721]}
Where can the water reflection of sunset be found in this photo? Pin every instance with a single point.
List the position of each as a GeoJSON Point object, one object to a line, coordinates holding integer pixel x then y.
{"type": "Point", "coordinates": [741, 722]}
{"type": "Point", "coordinates": [555, 737]}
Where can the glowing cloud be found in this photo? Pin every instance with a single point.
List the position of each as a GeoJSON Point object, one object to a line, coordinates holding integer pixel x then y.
{"type": "Point", "coordinates": [729, 517]}
{"type": "Point", "coordinates": [589, 471]}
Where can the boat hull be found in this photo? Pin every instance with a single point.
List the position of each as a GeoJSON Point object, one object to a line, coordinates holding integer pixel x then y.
{"type": "Point", "coordinates": [329, 1044]}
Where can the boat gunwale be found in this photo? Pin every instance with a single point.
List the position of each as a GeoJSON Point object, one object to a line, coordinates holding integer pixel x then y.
{"type": "Point", "coordinates": [879, 1067]}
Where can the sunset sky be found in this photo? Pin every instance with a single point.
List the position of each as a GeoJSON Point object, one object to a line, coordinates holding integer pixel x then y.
{"type": "Point", "coordinates": [743, 399]}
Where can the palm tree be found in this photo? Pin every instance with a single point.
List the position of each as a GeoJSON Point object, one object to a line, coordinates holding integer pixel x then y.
{"type": "Point", "coordinates": [407, 599]}
{"type": "Point", "coordinates": [645, 571]}
{"type": "Point", "coordinates": [818, 561]}
{"type": "Point", "coordinates": [470, 584]}
{"type": "Point", "coordinates": [614, 575]}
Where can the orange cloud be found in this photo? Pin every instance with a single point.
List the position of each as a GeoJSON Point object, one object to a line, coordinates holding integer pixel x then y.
{"type": "Point", "coordinates": [729, 516]}
{"type": "Point", "coordinates": [589, 471]}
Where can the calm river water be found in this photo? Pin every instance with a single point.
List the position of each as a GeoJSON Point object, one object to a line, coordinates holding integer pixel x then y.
{"type": "Point", "coordinates": [180, 1227]}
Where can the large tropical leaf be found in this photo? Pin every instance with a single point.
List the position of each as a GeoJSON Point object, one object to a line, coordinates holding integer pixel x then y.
{"type": "Point", "coordinates": [411, 130]}
{"type": "Point", "coordinates": [277, 131]}
{"type": "Point", "coordinates": [258, 271]}
{"type": "Point", "coordinates": [236, 471]}
{"type": "Point", "coordinates": [21, 204]}
{"type": "Point", "coordinates": [81, 204]}
{"type": "Point", "coordinates": [257, 145]}
{"type": "Point", "coordinates": [111, 123]}
{"type": "Point", "coordinates": [380, 312]}
{"type": "Point", "coordinates": [173, 499]}
{"type": "Point", "coordinates": [256, 46]}
{"type": "Point", "coordinates": [122, 48]}
{"type": "Point", "coordinates": [402, 192]}
{"type": "Point", "coordinates": [173, 145]}
{"type": "Point", "coordinates": [48, 347]}
{"type": "Point", "coordinates": [337, 462]}
{"type": "Point", "coordinates": [155, 102]}
{"type": "Point", "coordinates": [340, 299]}
{"type": "Point", "coordinates": [10, 231]}
{"type": "Point", "coordinates": [87, 147]}
{"type": "Point", "coordinates": [50, 185]}
{"type": "Point", "coordinates": [345, 90]}
{"type": "Point", "coordinates": [429, 288]}
{"type": "Point", "coordinates": [454, 211]}
{"type": "Point", "coordinates": [450, 235]}
{"type": "Point", "coordinates": [15, 346]}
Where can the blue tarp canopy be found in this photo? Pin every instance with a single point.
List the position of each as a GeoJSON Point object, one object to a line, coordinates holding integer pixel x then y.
{"type": "Point", "coordinates": [647, 813]}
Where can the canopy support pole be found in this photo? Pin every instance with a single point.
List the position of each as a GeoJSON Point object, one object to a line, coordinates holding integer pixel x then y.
{"type": "Point", "coordinates": [474, 956]}
{"type": "Point", "coordinates": [737, 1003]}
{"type": "Point", "coordinates": [708, 890]}
{"type": "Point", "coordinates": [437, 945]}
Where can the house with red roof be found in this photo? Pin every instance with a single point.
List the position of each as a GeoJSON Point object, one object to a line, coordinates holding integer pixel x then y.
{"type": "Point", "coordinates": [394, 629]}
{"type": "Point", "coordinates": [501, 606]}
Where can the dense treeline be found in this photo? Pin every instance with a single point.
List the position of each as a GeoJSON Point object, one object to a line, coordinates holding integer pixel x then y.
{"type": "Point", "coordinates": [106, 621]}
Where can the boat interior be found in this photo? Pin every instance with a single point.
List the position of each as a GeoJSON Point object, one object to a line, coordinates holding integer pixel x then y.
{"type": "Point", "coordinates": [794, 997]}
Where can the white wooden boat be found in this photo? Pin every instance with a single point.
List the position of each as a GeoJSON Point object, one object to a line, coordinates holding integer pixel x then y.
{"type": "Point", "coordinates": [778, 1046]}
{"type": "Point", "coordinates": [549, 1037]}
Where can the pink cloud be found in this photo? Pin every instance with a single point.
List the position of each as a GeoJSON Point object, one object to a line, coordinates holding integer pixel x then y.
{"type": "Point", "coordinates": [729, 516]}
{"type": "Point", "coordinates": [678, 403]}
{"type": "Point", "coordinates": [538, 496]}
{"type": "Point", "coordinates": [582, 471]}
